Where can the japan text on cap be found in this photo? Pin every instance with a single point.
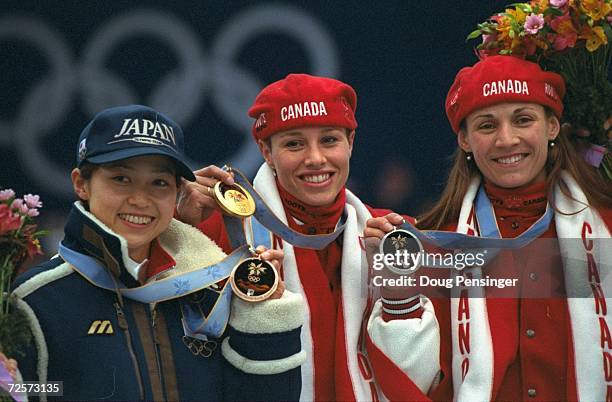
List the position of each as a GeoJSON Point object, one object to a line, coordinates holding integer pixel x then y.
{"type": "Point", "coordinates": [127, 131]}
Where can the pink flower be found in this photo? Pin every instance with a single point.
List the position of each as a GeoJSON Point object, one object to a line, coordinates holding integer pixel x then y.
{"type": "Point", "coordinates": [562, 42]}
{"type": "Point", "coordinates": [19, 206]}
{"type": "Point", "coordinates": [32, 201]}
{"type": "Point", "coordinates": [33, 212]}
{"type": "Point", "coordinates": [486, 39]}
{"type": "Point", "coordinates": [34, 247]}
{"type": "Point", "coordinates": [6, 194]}
{"type": "Point", "coordinates": [567, 34]}
{"type": "Point", "coordinates": [558, 3]}
{"type": "Point", "coordinates": [8, 221]}
{"type": "Point", "coordinates": [534, 23]}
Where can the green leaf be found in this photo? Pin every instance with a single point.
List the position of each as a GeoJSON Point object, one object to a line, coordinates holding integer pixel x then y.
{"type": "Point", "coordinates": [552, 11]}
{"type": "Point", "coordinates": [474, 34]}
{"type": "Point", "coordinates": [488, 30]}
{"type": "Point", "coordinates": [608, 30]}
{"type": "Point", "coordinates": [505, 51]}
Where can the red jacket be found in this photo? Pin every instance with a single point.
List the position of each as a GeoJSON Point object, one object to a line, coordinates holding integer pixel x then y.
{"type": "Point", "coordinates": [531, 336]}
{"type": "Point", "coordinates": [320, 278]}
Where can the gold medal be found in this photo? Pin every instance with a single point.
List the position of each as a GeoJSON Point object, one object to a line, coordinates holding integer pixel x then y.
{"type": "Point", "coordinates": [234, 199]}
{"type": "Point", "coordinates": [254, 279]}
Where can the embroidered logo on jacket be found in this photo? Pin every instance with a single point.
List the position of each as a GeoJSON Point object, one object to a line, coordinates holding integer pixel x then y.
{"type": "Point", "coordinates": [101, 327]}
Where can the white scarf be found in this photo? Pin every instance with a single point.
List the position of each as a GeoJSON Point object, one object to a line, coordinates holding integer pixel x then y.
{"type": "Point", "coordinates": [587, 337]}
{"type": "Point", "coordinates": [353, 277]}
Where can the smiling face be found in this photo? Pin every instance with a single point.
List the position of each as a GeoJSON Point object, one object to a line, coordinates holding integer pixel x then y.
{"type": "Point", "coordinates": [510, 142]}
{"type": "Point", "coordinates": [311, 163]}
{"type": "Point", "coordinates": [134, 197]}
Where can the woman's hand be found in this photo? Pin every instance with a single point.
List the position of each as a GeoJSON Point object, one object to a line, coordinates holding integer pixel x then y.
{"type": "Point", "coordinates": [275, 257]}
{"type": "Point", "coordinates": [196, 201]}
{"type": "Point", "coordinates": [377, 228]}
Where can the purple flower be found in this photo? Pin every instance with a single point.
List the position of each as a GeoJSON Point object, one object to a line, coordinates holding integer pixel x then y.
{"type": "Point", "coordinates": [486, 39]}
{"type": "Point", "coordinates": [32, 201]}
{"type": "Point", "coordinates": [534, 23]}
{"type": "Point", "coordinates": [558, 3]}
{"type": "Point", "coordinates": [33, 212]}
{"type": "Point", "coordinates": [19, 206]}
{"type": "Point", "coordinates": [6, 194]}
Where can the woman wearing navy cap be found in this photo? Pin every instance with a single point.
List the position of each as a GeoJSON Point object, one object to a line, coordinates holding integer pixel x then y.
{"type": "Point", "coordinates": [305, 128]}
{"type": "Point", "coordinates": [136, 305]}
{"type": "Point", "coordinates": [548, 338]}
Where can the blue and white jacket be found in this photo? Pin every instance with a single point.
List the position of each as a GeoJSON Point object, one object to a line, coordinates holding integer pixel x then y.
{"type": "Point", "coordinates": [104, 346]}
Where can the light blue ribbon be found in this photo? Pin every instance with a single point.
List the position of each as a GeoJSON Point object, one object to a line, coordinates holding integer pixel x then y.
{"type": "Point", "coordinates": [491, 242]}
{"type": "Point", "coordinates": [267, 218]}
{"type": "Point", "coordinates": [169, 288]}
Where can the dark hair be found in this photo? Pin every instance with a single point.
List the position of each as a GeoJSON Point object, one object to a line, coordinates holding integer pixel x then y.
{"type": "Point", "coordinates": [563, 156]}
{"type": "Point", "coordinates": [87, 169]}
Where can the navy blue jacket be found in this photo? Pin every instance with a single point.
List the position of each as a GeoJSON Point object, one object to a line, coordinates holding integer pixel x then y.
{"type": "Point", "coordinates": [103, 346]}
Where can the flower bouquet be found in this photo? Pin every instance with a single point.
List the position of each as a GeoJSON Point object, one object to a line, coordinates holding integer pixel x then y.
{"type": "Point", "coordinates": [569, 37]}
{"type": "Point", "coordinates": [19, 240]}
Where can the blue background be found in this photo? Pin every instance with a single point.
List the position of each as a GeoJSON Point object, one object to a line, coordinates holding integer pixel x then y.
{"type": "Point", "coordinates": [400, 56]}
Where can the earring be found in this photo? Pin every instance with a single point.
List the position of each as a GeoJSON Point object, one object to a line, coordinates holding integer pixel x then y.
{"type": "Point", "coordinates": [469, 156]}
{"type": "Point", "coordinates": [551, 143]}
{"type": "Point", "coordinates": [273, 172]}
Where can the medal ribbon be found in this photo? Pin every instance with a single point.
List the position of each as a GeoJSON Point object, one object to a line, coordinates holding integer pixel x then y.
{"type": "Point", "coordinates": [169, 288]}
{"type": "Point", "coordinates": [270, 221]}
{"type": "Point", "coordinates": [490, 242]}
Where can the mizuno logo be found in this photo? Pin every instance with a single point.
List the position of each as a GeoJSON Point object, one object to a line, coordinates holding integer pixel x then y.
{"type": "Point", "coordinates": [101, 327]}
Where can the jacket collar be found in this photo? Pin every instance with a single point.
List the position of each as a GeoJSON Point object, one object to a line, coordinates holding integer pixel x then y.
{"type": "Point", "coordinates": [181, 247]}
{"type": "Point", "coordinates": [88, 235]}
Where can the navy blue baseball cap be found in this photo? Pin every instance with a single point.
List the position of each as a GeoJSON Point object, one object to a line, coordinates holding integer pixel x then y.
{"type": "Point", "coordinates": [127, 131]}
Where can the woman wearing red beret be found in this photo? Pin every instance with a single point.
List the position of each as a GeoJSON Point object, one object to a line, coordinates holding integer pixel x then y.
{"type": "Point", "coordinates": [305, 128]}
{"type": "Point", "coordinates": [548, 338]}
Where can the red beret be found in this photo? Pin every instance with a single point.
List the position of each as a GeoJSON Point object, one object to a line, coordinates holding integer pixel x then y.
{"type": "Point", "coordinates": [303, 100]}
{"type": "Point", "coordinates": [499, 79]}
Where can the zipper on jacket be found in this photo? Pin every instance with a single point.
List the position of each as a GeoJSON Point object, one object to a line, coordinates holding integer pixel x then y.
{"type": "Point", "coordinates": [157, 352]}
{"type": "Point", "coordinates": [123, 324]}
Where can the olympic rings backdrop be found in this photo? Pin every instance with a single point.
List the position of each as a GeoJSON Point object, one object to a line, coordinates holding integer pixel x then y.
{"type": "Point", "coordinates": [203, 62]}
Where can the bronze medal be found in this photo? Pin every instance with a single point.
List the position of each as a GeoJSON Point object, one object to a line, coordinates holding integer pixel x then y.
{"type": "Point", "coordinates": [254, 279]}
{"type": "Point", "coordinates": [234, 200]}
{"type": "Point", "coordinates": [404, 246]}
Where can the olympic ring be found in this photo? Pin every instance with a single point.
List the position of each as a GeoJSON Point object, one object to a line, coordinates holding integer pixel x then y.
{"type": "Point", "coordinates": [48, 101]}
{"type": "Point", "coordinates": [179, 93]}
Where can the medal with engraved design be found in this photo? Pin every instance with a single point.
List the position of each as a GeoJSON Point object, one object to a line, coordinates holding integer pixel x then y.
{"type": "Point", "coordinates": [402, 252]}
{"type": "Point", "coordinates": [254, 279]}
{"type": "Point", "coordinates": [234, 199]}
